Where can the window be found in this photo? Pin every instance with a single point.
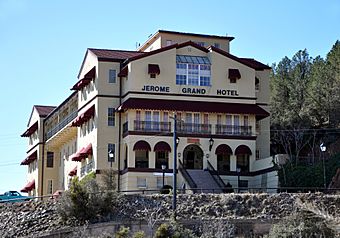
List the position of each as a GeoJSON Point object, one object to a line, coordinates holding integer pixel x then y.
{"type": "Point", "coordinates": [153, 76]}
{"type": "Point", "coordinates": [168, 42]}
{"type": "Point", "coordinates": [257, 84]}
{"type": "Point", "coordinates": [193, 70]}
{"type": "Point", "coordinates": [243, 163]}
{"type": "Point", "coordinates": [138, 120]}
{"type": "Point", "coordinates": [111, 116]}
{"type": "Point", "coordinates": [196, 122]}
{"type": "Point", "coordinates": [141, 159]}
{"type": "Point", "coordinates": [217, 45]}
{"type": "Point", "coordinates": [141, 182]}
{"type": "Point", "coordinates": [148, 120]}
{"type": "Point", "coordinates": [237, 124]}
{"type": "Point", "coordinates": [165, 123]}
{"type": "Point", "coordinates": [229, 124]}
{"type": "Point", "coordinates": [49, 186]}
{"type": "Point", "coordinates": [200, 43]}
{"type": "Point", "coordinates": [111, 150]}
{"type": "Point", "coordinates": [156, 120]}
{"type": "Point", "coordinates": [162, 158]}
{"type": "Point", "coordinates": [112, 76]}
{"type": "Point", "coordinates": [223, 163]}
{"type": "Point", "coordinates": [233, 80]}
{"type": "Point", "coordinates": [257, 152]}
{"type": "Point", "coordinates": [50, 158]}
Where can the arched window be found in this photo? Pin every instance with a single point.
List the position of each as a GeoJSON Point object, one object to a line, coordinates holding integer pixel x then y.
{"type": "Point", "coordinates": [141, 149]}
{"type": "Point", "coordinates": [223, 153]}
{"type": "Point", "coordinates": [162, 150]}
{"type": "Point", "coordinates": [242, 153]}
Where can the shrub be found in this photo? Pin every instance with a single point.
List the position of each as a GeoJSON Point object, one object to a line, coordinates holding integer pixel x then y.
{"type": "Point", "coordinates": [139, 234]}
{"type": "Point", "coordinates": [86, 200]}
{"type": "Point", "coordinates": [123, 232]}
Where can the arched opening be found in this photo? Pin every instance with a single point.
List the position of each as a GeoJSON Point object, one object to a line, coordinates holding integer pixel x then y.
{"type": "Point", "coordinates": [223, 153]}
{"type": "Point", "coordinates": [141, 149]}
{"type": "Point", "coordinates": [162, 150]}
{"type": "Point", "coordinates": [242, 153]}
{"type": "Point", "coordinates": [193, 157]}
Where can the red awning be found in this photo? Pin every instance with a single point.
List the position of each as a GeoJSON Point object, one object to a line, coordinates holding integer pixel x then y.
{"type": "Point", "coordinates": [123, 72]}
{"type": "Point", "coordinates": [223, 149]}
{"type": "Point", "coordinates": [162, 146]}
{"type": "Point", "coordinates": [142, 145]}
{"type": "Point", "coordinates": [30, 130]}
{"type": "Point", "coordinates": [194, 106]}
{"type": "Point", "coordinates": [87, 150]}
{"type": "Point", "coordinates": [79, 120]}
{"type": "Point", "coordinates": [234, 74]}
{"type": "Point", "coordinates": [30, 158]}
{"type": "Point", "coordinates": [243, 150]}
{"type": "Point", "coordinates": [153, 69]}
{"type": "Point", "coordinates": [76, 156]}
{"type": "Point", "coordinates": [73, 172]}
{"type": "Point", "coordinates": [30, 186]}
{"type": "Point", "coordinates": [86, 80]}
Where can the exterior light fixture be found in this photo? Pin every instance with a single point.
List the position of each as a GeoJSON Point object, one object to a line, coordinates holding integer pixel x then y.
{"type": "Point", "coordinates": [211, 143]}
{"type": "Point", "coordinates": [177, 141]}
{"type": "Point", "coordinates": [323, 150]}
{"type": "Point", "coordinates": [163, 170]}
{"type": "Point", "coordinates": [111, 157]}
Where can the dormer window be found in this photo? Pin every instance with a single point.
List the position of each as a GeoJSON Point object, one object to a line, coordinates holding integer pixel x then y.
{"type": "Point", "coordinates": [153, 70]}
{"type": "Point", "coordinates": [193, 70]}
{"type": "Point", "coordinates": [233, 75]}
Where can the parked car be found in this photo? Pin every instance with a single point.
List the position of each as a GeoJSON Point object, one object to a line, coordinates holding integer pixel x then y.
{"type": "Point", "coordinates": [13, 196]}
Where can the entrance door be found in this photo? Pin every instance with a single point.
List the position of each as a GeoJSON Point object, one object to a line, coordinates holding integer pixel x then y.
{"type": "Point", "coordinates": [193, 157]}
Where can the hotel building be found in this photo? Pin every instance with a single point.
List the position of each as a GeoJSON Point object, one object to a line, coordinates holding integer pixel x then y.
{"type": "Point", "coordinates": [120, 115]}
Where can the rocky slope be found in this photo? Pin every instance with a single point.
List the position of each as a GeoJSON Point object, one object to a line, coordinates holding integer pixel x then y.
{"type": "Point", "coordinates": [34, 218]}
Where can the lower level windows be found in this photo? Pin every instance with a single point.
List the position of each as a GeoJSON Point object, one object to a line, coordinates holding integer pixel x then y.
{"type": "Point", "coordinates": [243, 162]}
{"type": "Point", "coordinates": [141, 159]}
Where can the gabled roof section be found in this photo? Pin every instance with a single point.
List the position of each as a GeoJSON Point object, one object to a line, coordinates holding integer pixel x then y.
{"type": "Point", "coordinates": [43, 111]}
{"type": "Point", "coordinates": [177, 46]}
{"type": "Point", "coordinates": [246, 61]}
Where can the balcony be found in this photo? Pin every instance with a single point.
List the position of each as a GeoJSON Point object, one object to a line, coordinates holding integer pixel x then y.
{"type": "Point", "coordinates": [152, 126]}
{"type": "Point", "coordinates": [193, 128]}
{"type": "Point", "coordinates": [233, 130]}
{"type": "Point", "coordinates": [61, 125]}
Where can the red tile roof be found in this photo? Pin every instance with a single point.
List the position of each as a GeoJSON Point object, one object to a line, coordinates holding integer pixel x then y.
{"type": "Point", "coordinates": [43, 111]}
{"type": "Point", "coordinates": [246, 61]}
{"type": "Point", "coordinates": [254, 64]}
{"type": "Point", "coordinates": [119, 55]}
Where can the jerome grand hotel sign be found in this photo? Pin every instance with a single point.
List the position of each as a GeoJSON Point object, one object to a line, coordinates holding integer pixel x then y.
{"type": "Point", "coordinates": [197, 91]}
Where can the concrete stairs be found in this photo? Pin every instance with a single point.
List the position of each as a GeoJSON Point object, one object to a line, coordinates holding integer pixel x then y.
{"type": "Point", "coordinates": [204, 181]}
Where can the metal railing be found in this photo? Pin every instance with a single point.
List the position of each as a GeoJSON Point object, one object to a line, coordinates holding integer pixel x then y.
{"type": "Point", "coordinates": [151, 126]}
{"type": "Point", "coordinates": [193, 128]}
{"type": "Point", "coordinates": [186, 175]}
{"type": "Point", "coordinates": [217, 178]}
{"type": "Point", "coordinates": [233, 130]}
{"type": "Point", "coordinates": [61, 125]}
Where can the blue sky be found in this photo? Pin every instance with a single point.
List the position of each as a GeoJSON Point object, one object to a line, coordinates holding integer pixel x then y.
{"type": "Point", "coordinates": [42, 44]}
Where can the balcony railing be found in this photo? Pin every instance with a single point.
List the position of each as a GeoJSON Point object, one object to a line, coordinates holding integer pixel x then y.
{"type": "Point", "coordinates": [61, 125]}
{"type": "Point", "coordinates": [193, 128]}
{"type": "Point", "coordinates": [233, 130]}
{"type": "Point", "coordinates": [152, 126]}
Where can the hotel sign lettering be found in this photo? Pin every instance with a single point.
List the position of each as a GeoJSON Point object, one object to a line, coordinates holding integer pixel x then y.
{"type": "Point", "coordinates": [196, 91]}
